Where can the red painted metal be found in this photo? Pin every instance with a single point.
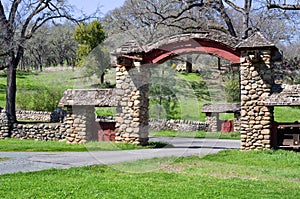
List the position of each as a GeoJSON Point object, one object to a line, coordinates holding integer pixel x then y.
{"type": "Point", "coordinates": [170, 50]}
{"type": "Point", "coordinates": [228, 126]}
{"type": "Point", "coordinates": [107, 132]}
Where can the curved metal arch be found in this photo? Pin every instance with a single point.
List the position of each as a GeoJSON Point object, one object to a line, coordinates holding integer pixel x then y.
{"type": "Point", "coordinates": [170, 50]}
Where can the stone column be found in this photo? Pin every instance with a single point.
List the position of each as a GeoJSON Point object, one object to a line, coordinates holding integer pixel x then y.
{"type": "Point", "coordinates": [212, 119]}
{"type": "Point", "coordinates": [236, 121]}
{"type": "Point", "coordinates": [79, 124]}
{"type": "Point", "coordinates": [132, 90]}
{"type": "Point", "coordinates": [256, 72]}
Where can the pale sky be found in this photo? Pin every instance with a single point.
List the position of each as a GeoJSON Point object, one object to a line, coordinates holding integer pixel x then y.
{"type": "Point", "coordinates": [90, 6]}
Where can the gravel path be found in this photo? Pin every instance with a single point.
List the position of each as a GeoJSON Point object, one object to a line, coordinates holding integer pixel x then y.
{"type": "Point", "coordinates": [35, 161]}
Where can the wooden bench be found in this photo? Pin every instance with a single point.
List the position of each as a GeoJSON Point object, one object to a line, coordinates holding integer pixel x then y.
{"type": "Point", "coordinates": [288, 135]}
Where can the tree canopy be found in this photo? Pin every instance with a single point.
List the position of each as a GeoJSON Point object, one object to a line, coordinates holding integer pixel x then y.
{"type": "Point", "coordinates": [89, 36]}
{"type": "Point", "coordinates": [90, 54]}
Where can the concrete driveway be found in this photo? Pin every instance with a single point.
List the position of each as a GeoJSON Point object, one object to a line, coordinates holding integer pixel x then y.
{"type": "Point", "coordinates": [181, 147]}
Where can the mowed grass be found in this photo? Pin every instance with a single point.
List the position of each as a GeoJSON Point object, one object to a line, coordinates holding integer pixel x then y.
{"type": "Point", "coordinates": [54, 146]}
{"type": "Point", "coordinates": [286, 114]}
{"type": "Point", "coordinates": [229, 174]}
{"type": "Point", "coordinates": [197, 134]}
{"type": "Point", "coordinates": [3, 159]}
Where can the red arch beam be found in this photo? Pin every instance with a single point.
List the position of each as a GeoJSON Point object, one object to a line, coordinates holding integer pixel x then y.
{"type": "Point", "coordinates": [170, 50]}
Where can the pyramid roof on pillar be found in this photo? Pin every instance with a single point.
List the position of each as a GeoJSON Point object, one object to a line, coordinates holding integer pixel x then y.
{"type": "Point", "coordinates": [256, 40]}
{"type": "Point", "coordinates": [284, 95]}
{"type": "Point", "coordinates": [131, 46]}
{"type": "Point", "coordinates": [89, 97]}
{"type": "Point", "coordinates": [221, 108]}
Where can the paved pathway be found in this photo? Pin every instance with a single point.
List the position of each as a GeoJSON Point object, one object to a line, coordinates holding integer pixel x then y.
{"type": "Point", "coordinates": [34, 161]}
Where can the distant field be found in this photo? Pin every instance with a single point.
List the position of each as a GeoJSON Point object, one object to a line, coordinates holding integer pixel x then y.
{"type": "Point", "coordinates": [59, 80]}
{"type": "Point", "coordinates": [189, 107]}
{"type": "Point", "coordinates": [27, 82]}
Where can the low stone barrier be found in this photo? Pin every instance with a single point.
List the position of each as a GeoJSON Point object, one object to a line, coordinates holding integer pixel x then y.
{"type": "Point", "coordinates": [5, 125]}
{"type": "Point", "coordinates": [177, 125]}
{"type": "Point", "coordinates": [39, 131]}
{"type": "Point", "coordinates": [33, 115]}
{"type": "Point", "coordinates": [75, 130]}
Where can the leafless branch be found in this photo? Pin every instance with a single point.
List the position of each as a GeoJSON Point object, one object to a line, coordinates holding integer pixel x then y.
{"type": "Point", "coordinates": [234, 6]}
{"type": "Point", "coordinates": [284, 6]}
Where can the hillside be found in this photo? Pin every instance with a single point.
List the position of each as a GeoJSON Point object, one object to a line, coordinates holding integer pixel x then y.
{"type": "Point", "coordinates": [188, 92]}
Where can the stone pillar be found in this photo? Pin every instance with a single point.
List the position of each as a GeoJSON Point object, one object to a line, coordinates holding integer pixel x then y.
{"type": "Point", "coordinates": [256, 72]}
{"type": "Point", "coordinates": [79, 124]}
{"type": "Point", "coordinates": [237, 121]}
{"type": "Point", "coordinates": [132, 90]}
{"type": "Point", "coordinates": [212, 119]}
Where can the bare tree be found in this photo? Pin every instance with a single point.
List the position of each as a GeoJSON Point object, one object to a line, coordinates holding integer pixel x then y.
{"type": "Point", "coordinates": [159, 16]}
{"type": "Point", "coordinates": [19, 20]}
{"type": "Point", "coordinates": [148, 20]}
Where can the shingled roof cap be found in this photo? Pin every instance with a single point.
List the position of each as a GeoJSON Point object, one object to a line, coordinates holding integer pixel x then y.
{"type": "Point", "coordinates": [256, 40]}
{"type": "Point", "coordinates": [131, 46]}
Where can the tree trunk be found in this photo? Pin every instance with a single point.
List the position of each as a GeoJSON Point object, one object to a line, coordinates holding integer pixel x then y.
{"type": "Point", "coordinates": [102, 78]}
{"type": "Point", "coordinates": [246, 20]}
{"type": "Point", "coordinates": [189, 65]}
{"type": "Point", "coordinates": [219, 64]}
{"type": "Point", "coordinates": [11, 88]}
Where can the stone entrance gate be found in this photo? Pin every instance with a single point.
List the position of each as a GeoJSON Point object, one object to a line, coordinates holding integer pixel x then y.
{"type": "Point", "coordinates": [259, 93]}
{"type": "Point", "coordinates": [255, 55]}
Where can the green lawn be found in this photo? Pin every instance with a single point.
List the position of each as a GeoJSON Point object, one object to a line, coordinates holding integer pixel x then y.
{"type": "Point", "coordinates": [3, 159]}
{"type": "Point", "coordinates": [229, 174]}
{"type": "Point", "coordinates": [54, 146]}
{"type": "Point", "coordinates": [286, 114]}
{"type": "Point", "coordinates": [197, 134]}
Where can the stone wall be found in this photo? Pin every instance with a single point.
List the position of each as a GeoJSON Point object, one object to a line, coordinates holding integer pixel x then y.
{"type": "Point", "coordinates": [43, 131]}
{"type": "Point", "coordinates": [177, 125]}
{"type": "Point", "coordinates": [33, 115]}
{"type": "Point", "coordinates": [80, 126]}
{"type": "Point", "coordinates": [5, 125]}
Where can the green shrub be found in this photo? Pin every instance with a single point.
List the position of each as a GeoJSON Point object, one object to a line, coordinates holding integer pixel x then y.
{"type": "Point", "coordinates": [106, 111]}
{"type": "Point", "coordinates": [41, 99]}
{"type": "Point", "coordinates": [232, 90]}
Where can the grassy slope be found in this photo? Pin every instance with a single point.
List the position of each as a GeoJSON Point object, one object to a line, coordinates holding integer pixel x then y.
{"type": "Point", "coordinates": [229, 174]}
{"type": "Point", "coordinates": [33, 81]}
{"type": "Point", "coordinates": [70, 79]}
